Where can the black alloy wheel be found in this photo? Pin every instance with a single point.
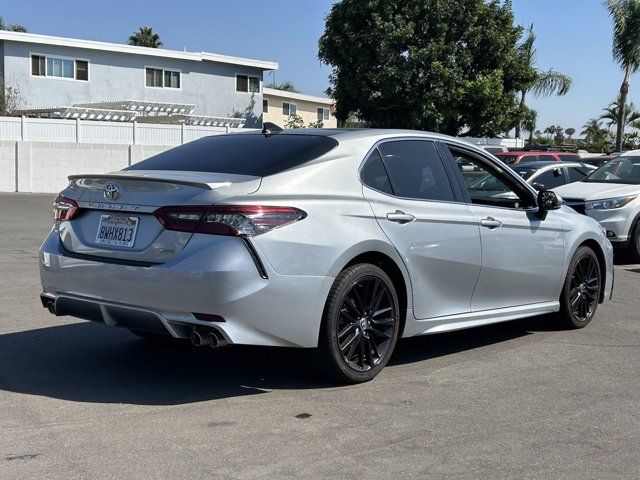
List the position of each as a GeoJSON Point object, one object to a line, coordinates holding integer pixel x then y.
{"type": "Point", "coordinates": [582, 288]}
{"type": "Point", "coordinates": [360, 325]}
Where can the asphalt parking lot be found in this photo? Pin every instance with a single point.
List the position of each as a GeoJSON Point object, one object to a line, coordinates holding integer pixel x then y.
{"type": "Point", "coordinates": [518, 400]}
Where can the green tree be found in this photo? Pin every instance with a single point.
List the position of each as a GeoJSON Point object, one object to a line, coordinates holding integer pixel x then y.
{"type": "Point", "coordinates": [145, 37]}
{"type": "Point", "coordinates": [294, 121]}
{"type": "Point", "coordinates": [287, 86]}
{"type": "Point", "coordinates": [625, 15]}
{"type": "Point", "coordinates": [12, 27]}
{"type": "Point", "coordinates": [597, 137]}
{"type": "Point", "coordinates": [530, 123]}
{"type": "Point", "coordinates": [613, 113]}
{"type": "Point", "coordinates": [541, 83]}
{"type": "Point", "coordinates": [443, 65]}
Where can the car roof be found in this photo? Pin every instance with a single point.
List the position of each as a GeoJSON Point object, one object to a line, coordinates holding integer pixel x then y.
{"type": "Point", "coordinates": [547, 163]}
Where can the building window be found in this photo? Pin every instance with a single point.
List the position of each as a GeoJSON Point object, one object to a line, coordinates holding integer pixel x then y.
{"type": "Point", "coordinates": [265, 105]}
{"type": "Point", "coordinates": [82, 70]}
{"type": "Point", "coordinates": [289, 109]}
{"type": "Point", "coordinates": [59, 67]}
{"type": "Point", "coordinates": [247, 84]}
{"type": "Point", "coordinates": [56, 67]}
{"type": "Point", "coordinates": [323, 114]}
{"type": "Point", "coordinates": [159, 78]}
{"type": "Point", "coordinates": [38, 66]}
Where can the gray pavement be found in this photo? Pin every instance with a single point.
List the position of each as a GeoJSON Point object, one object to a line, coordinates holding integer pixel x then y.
{"type": "Point", "coordinates": [518, 400]}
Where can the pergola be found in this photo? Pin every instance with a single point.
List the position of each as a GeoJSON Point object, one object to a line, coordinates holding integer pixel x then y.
{"type": "Point", "coordinates": [141, 111]}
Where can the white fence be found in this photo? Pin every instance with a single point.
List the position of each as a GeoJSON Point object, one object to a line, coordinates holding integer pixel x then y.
{"type": "Point", "coordinates": [91, 131]}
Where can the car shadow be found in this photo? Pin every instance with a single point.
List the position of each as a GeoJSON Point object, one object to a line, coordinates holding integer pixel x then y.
{"type": "Point", "coordinates": [85, 362]}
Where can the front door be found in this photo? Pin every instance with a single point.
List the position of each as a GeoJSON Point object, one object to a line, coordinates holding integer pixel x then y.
{"type": "Point", "coordinates": [437, 237]}
{"type": "Point", "coordinates": [522, 253]}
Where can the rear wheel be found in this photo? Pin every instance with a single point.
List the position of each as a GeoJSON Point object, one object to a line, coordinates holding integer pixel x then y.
{"type": "Point", "coordinates": [581, 292]}
{"type": "Point", "coordinates": [360, 325]}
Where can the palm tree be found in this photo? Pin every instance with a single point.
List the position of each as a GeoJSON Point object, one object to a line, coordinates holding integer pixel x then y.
{"type": "Point", "coordinates": [612, 115]}
{"type": "Point", "coordinates": [625, 15]}
{"type": "Point", "coordinates": [529, 123]}
{"type": "Point", "coordinates": [592, 129]}
{"type": "Point", "coordinates": [543, 83]}
{"type": "Point", "coordinates": [145, 37]}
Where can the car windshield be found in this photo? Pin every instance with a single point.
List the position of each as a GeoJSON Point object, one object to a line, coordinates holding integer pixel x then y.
{"type": "Point", "coordinates": [619, 170]}
{"type": "Point", "coordinates": [508, 159]}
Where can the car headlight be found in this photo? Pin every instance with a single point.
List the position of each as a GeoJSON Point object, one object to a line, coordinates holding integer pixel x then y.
{"type": "Point", "coordinates": [610, 203]}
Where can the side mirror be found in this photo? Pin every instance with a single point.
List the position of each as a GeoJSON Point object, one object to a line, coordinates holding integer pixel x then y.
{"type": "Point", "coordinates": [548, 200]}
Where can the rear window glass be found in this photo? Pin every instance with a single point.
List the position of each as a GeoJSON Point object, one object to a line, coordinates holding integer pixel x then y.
{"type": "Point", "coordinates": [258, 155]}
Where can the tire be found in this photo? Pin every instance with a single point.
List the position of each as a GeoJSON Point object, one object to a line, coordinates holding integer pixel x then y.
{"type": "Point", "coordinates": [362, 315]}
{"type": "Point", "coordinates": [634, 243]}
{"type": "Point", "coordinates": [581, 291]}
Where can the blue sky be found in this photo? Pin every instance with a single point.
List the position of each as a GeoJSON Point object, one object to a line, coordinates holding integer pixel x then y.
{"type": "Point", "coordinates": [574, 36]}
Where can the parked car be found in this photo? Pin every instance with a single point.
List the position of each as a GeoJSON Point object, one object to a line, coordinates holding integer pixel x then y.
{"type": "Point", "coordinates": [341, 241]}
{"type": "Point", "coordinates": [598, 160]}
{"type": "Point", "coordinates": [515, 158]}
{"type": "Point", "coordinates": [540, 175]}
{"type": "Point", "coordinates": [611, 195]}
{"type": "Point", "coordinates": [494, 148]}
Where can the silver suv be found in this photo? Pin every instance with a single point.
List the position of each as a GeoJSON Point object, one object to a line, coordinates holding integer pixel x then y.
{"type": "Point", "coordinates": [335, 240]}
{"type": "Point", "coordinates": [611, 195]}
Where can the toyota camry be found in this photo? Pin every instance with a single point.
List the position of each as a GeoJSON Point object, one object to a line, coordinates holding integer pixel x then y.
{"type": "Point", "coordinates": [340, 241]}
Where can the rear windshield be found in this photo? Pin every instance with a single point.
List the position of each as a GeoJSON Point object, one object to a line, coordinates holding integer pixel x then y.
{"type": "Point", "coordinates": [258, 155]}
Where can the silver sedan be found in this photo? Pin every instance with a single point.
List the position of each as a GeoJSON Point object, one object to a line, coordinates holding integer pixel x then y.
{"type": "Point", "coordinates": [341, 241]}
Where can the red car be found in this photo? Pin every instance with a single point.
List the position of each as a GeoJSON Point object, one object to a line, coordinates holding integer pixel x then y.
{"type": "Point", "coordinates": [513, 158]}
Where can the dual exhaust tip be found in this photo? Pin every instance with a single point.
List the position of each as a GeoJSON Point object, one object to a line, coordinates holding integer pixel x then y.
{"type": "Point", "coordinates": [209, 337]}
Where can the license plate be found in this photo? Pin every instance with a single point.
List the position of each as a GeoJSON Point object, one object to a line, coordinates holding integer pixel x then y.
{"type": "Point", "coordinates": [117, 230]}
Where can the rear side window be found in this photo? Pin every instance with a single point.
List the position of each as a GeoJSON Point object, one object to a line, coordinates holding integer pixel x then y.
{"type": "Point", "coordinates": [374, 175]}
{"type": "Point", "coordinates": [568, 158]}
{"type": "Point", "coordinates": [258, 155]}
{"type": "Point", "coordinates": [546, 158]}
{"type": "Point", "coordinates": [508, 159]}
{"type": "Point", "coordinates": [576, 174]}
{"type": "Point", "coordinates": [415, 170]}
{"type": "Point", "coordinates": [529, 158]}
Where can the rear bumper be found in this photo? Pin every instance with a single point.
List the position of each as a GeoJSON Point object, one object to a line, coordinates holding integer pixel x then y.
{"type": "Point", "coordinates": [212, 275]}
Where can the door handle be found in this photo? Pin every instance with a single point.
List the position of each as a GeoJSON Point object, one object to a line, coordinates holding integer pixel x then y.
{"type": "Point", "coordinates": [490, 223]}
{"type": "Point", "coordinates": [400, 217]}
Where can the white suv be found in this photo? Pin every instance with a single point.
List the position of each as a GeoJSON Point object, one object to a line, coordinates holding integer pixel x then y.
{"type": "Point", "coordinates": [611, 195]}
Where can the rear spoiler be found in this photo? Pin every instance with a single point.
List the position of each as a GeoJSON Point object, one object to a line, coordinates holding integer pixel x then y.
{"type": "Point", "coordinates": [115, 176]}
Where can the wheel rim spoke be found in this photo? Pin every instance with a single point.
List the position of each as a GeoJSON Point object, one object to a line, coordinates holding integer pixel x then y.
{"type": "Point", "coordinates": [584, 288]}
{"type": "Point", "coordinates": [366, 324]}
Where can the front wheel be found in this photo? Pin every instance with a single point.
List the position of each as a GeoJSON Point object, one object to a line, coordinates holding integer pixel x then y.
{"type": "Point", "coordinates": [360, 325]}
{"type": "Point", "coordinates": [581, 291]}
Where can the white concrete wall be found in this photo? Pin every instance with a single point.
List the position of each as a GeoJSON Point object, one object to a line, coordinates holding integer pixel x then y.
{"type": "Point", "coordinates": [45, 166]}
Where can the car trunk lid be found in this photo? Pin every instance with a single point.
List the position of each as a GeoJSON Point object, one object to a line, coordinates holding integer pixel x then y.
{"type": "Point", "coordinates": [116, 217]}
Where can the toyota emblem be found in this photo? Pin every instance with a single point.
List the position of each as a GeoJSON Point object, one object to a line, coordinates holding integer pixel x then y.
{"type": "Point", "coordinates": [111, 191]}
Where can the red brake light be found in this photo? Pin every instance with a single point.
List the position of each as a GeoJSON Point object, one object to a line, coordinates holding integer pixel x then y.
{"type": "Point", "coordinates": [64, 208]}
{"type": "Point", "coordinates": [233, 220]}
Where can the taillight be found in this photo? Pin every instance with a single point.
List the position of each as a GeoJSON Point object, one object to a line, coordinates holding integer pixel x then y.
{"type": "Point", "coordinates": [234, 220]}
{"type": "Point", "coordinates": [64, 208]}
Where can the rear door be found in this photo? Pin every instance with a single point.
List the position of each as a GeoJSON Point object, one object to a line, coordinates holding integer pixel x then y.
{"type": "Point", "coordinates": [419, 210]}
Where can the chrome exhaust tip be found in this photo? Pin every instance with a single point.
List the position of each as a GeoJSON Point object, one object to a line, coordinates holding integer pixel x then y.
{"type": "Point", "coordinates": [196, 339]}
{"type": "Point", "coordinates": [215, 340]}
